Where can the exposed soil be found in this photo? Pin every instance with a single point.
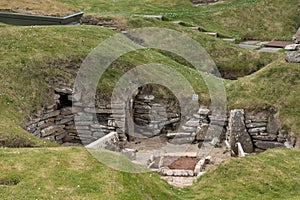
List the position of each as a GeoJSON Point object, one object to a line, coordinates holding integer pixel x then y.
{"type": "Point", "coordinates": [186, 163]}
{"type": "Point", "coordinates": [116, 23]}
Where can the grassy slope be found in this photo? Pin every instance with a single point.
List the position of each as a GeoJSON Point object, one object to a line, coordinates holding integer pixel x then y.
{"type": "Point", "coordinates": [261, 19]}
{"type": "Point", "coordinates": [31, 55]}
{"type": "Point", "coordinates": [42, 168]}
{"type": "Point", "coordinates": [72, 173]}
{"type": "Point", "coordinates": [274, 174]}
{"type": "Point", "coordinates": [37, 7]}
{"type": "Point", "coordinates": [278, 84]}
{"type": "Point", "coordinates": [231, 60]}
{"type": "Point", "coordinates": [27, 73]}
{"type": "Point", "coordinates": [34, 61]}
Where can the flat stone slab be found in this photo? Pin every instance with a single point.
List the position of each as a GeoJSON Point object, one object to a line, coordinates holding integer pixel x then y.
{"type": "Point", "coordinates": [262, 43]}
{"type": "Point", "coordinates": [232, 40]}
{"type": "Point", "coordinates": [268, 144]}
{"type": "Point", "coordinates": [278, 44]}
{"type": "Point", "coordinates": [269, 49]}
{"type": "Point", "coordinates": [250, 42]}
{"type": "Point", "coordinates": [211, 33]}
{"type": "Point", "coordinates": [179, 135]}
{"type": "Point", "coordinates": [292, 47]}
{"type": "Point", "coordinates": [101, 143]}
{"type": "Point", "coordinates": [177, 22]}
{"type": "Point", "coordinates": [159, 17]}
{"type": "Point", "coordinates": [248, 46]}
{"type": "Point", "coordinates": [179, 181]}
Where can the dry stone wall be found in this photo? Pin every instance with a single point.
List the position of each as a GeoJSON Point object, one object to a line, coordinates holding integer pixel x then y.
{"type": "Point", "coordinates": [68, 123]}
{"type": "Point", "coordinates": [74, 125]}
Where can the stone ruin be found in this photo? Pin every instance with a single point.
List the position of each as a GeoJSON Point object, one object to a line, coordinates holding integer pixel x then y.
{"type": "Point", "coordinates": [66, 122]}
{"type": "Point", "coordinates": [72, 125]}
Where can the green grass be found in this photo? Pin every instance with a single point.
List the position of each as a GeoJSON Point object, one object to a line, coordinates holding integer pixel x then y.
{"type": "Point", "coordinates": [37, 7]}
{"type": "Point", "coordinates": [274, 174]}
{"type": "Point", "coordinates": [252, 19]}
{"type": "Point", "coordinates": [278, 85]}
{"type": "Point", "coordinates": [32, 61]}
{"type": "Point", "coordinates": [35, 60]}
{"type": "Point", "coordinates": [72, 173]}
{"type": "Point", "coordinates": [231, 60]}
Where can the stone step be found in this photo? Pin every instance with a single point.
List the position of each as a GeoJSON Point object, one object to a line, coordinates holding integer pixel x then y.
{"type": "Point", "coordinates": [232, 40]}
{"type": "Point", "coordinates": [176, 172]}
{"type": "Point", "coordinates": [211, 34]}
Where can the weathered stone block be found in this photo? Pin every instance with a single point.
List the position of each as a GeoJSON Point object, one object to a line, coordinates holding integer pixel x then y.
{"type": "Point", "coordinates": [257, 130]}
{"type": "Point", "coordinates": [60, 136]}
{"type": "Point", "coordinates": [50, 130]}
{"type": "Point", "coordinates": [188, 129]}
{"type": "Point", "coordinates": [64, 90]}
{"type": "Point", "coordinates": [65, 120]}
{"type": "Point", "coordinates": [203, 111]}
{"type": "Point", "coordinates": [179, 135]}
{"type": "Point", "coordinates": [267, 144]}
{"type": "Point", "coordinates": [83, 117]}
{"type": "Point", "coordinates": [273, 122]}
{"type": "Point", "coordinates": [66, 111]}
{"type": "Point", "coordinates": [50, 115]}
{"type": "Point", "coordinates": [256, 124]}
{"type": "Point", "coordinates": [238, 132]}
{"type": "Point", "coordinates": [201, 133]}
{"type": "Point", "coordinates": [82, 127]}
{"type": "Point", "coordinates": [293, 56]}
{"type": "Point", "coordinates": [193, 123]}
{"type": "Point", "coordinates": [270, 137]}
{"type": "Point", "coordinates": [98, 134]}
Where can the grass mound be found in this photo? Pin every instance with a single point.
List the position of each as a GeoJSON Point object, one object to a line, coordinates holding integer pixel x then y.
{"type": "Point", "coordinates": [278, 84]}
{"type": "Point", "coordinates": [30, 67]}
{"type": "Point", "coordinates": [274, 174]}
{"type": "Point", "coordinates": [251, 19]}
{"type": "Point", "coordinates": [37, 7]}
{"type": "Point", "coordinates": [72, 173]}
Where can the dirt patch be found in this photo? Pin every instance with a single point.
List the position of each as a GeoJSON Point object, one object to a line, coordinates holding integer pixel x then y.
{"type": "Point", "coordinates": [112, 22]}
{"type": "Point", "coordinates": [186, 163]}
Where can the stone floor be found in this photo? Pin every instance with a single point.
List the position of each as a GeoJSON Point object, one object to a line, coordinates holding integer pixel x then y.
{"type": "Point", "coordinates": [159, 146]}
{"type": "Point", "coordinates": [259, 46]}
